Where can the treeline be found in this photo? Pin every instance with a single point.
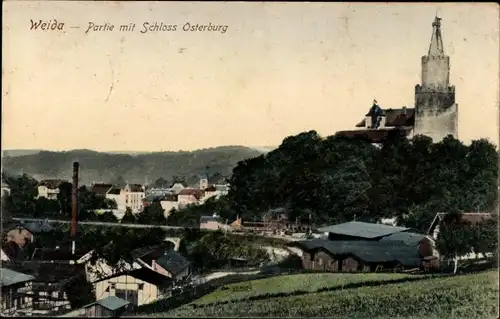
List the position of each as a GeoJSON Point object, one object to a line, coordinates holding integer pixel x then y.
{"type": "Point", "coordinates": [338, 179]}
{"type": "Point", "coordinates": [459, 237]}
{"type": "Point", "coordinates": [108, 167]}
{"type": "Point", "coordinates": [23, 201]}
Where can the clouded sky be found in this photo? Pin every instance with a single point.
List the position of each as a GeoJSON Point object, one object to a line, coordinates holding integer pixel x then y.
{"type": "Point", "coordinates": [278, 70]}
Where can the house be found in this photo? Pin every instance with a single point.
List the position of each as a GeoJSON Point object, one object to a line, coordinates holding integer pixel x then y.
{"type": "Point", "coordinates": [210, 223]}
{"type": "Point", "coordinates": [114, 194]}
{"type": "Point", "coordinates": [210, 191]}
{"type": "Point", "coordinates": [360, 231]}
{"type": "Point", "coordinates": [169, 202]}
{"type": "Point", "coordinates": [131, 196]}
{"type": "Point", "coordinates": [150, 199]}
{"type": "Point", "coordinates": [51, 287]}
{"type": "Point", "coordinates": [356, 255]}
{"type": "Point", "coordinates": [158, 191]}
{"type": "Point", "coordinates": [137, 286]}
{"type": "Point", "coordinates": [110, 306]}
{"type": "Point", "coordinates": [100, 190]}
{"type": "Point", "coordinates": [473, 218]}
{"type": "Point", "coordinates": [49, 188]}
{"type": "Point", "coordinates": [169, 263]}
{"type": "Point", "coordinates": [189, 196]}
{"type": "Point", "coordinates": [5, 188]}
{"type": "Point", "coordinates": [178, 186]}
{"type": "Point", "coordinates": [172, 264]}
{"type": "Point", "coordinates": [15, 287]}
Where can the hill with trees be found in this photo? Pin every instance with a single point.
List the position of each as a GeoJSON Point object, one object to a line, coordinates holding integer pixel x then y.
{"type": "Point", "coordinates": [108, 167]}
{"type": "Point", "coordinates": [338, 179]}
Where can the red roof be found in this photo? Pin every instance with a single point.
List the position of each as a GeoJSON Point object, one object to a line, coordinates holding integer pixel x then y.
{"type": "Point", "coordinates": [210, 188]}
{"type": "Point", "coordinates": [376, 135]}
{"type": "Point", "coordinates": [396, 117]}
{"type": "Point", "coordinates": [197, 193]}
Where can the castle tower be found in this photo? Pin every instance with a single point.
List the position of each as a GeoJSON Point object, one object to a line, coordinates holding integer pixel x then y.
{"type": "Point", "coordinates": [204, 181]}
{"type": "Point", "coordinates": [436, 114]}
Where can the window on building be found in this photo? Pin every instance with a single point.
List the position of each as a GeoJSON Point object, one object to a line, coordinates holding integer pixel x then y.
{"type": "Point", "coordinates": [131, 296]}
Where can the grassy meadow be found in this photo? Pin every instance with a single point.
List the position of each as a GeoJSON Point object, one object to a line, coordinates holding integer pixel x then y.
{"type": "Point", "coordinates": [352, 295]}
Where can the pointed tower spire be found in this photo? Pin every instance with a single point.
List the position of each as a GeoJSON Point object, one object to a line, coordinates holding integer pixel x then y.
{"type": "Point", "coordinates": [436, 46]}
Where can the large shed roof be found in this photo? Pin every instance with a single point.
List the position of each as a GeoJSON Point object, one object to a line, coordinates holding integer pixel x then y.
{"type": "Point", "coordinates": [407, 238]}
{"type": "Point", "coordinates": [362, 230]}
{"type": "Point", "coordinates": [368, 251]}
{"type": "Point", "coordinates": [10, 277]}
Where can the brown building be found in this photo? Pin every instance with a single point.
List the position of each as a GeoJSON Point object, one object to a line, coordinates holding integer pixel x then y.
{"type": "Point", "coordinates": [15, 288]}
{"type": "Point", "coordinates": [357, 256]}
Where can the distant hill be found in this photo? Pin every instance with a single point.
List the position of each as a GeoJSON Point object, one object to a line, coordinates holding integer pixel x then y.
{"type": "Point", "coordinates": [13, 153]}
{"type": "Point", "coordinates": [107, 167]}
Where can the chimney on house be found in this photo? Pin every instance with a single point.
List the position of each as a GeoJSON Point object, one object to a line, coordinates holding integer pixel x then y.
{"type": "Point", "coordinates": [74, 206]}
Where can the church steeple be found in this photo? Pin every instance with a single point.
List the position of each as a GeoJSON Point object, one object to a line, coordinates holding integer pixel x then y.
{"type": "Point", "coordinates": [436, 46]}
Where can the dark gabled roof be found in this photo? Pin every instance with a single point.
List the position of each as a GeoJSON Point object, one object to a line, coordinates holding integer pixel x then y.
{"type": "Point", "coordinates": [173, 262]}
{"type": "Point", "coordinates": [48, 271]}
{"type": "Point", "coordinates": [114, 191]}
{"type": "Point", "coordinates": [10, 277]}
{"type": "Point", "coordinates": [395, 117]}
{"type": "Point", "coordinates": [362, 230]}
{"type": "Point", "coordinates": [377, 135]}
{"type": "Point", "coordinates": [407, 238]}
{"type": "Point", "coordinates": [135, 188]}
{"type": "Point", "coordinates": [101, 189]}
{"type": "Point", "coordinates": [368, 251]}
{"type": "Point", "coordinates": [111, 303]}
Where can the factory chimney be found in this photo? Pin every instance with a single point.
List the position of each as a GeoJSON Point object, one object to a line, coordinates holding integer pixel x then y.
{"type": "Point", "coordinates": [74, 206]}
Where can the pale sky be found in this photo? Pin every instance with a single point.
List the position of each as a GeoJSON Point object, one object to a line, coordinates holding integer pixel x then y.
{"type": "Point", "coordinates": [280, 69]}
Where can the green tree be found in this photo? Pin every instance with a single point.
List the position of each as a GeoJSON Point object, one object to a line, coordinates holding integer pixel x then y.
{"type": "Point", "coordinates": [485, 236]}
{"type": "Point", "coordinates": [128, 217]}
{"type": "Point", "coordinates": [153, 215]}
{"type": "Point", "coordinates": [23, 193]}
{"type": "Point", "coordinates": [64, 197]}
{"type": "Point", "coordinates": [161, 183]}
{"type": "Point", "coordinates": [107, 217]}
{"type": "Point", "coordinates": [455, 238]}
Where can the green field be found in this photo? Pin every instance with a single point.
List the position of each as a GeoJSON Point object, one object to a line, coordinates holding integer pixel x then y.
{"type": "Point", "coordinates": [465, 296]}
{"type": "Point", "coordinates": [291, 283]}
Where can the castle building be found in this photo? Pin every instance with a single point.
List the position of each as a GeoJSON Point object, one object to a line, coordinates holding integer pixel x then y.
{"type": "Point", "coordinates": [435, 113]}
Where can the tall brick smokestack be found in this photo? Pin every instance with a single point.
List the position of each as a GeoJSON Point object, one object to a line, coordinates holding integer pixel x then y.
{"type": "Point", "coordinates": [74, 205]}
